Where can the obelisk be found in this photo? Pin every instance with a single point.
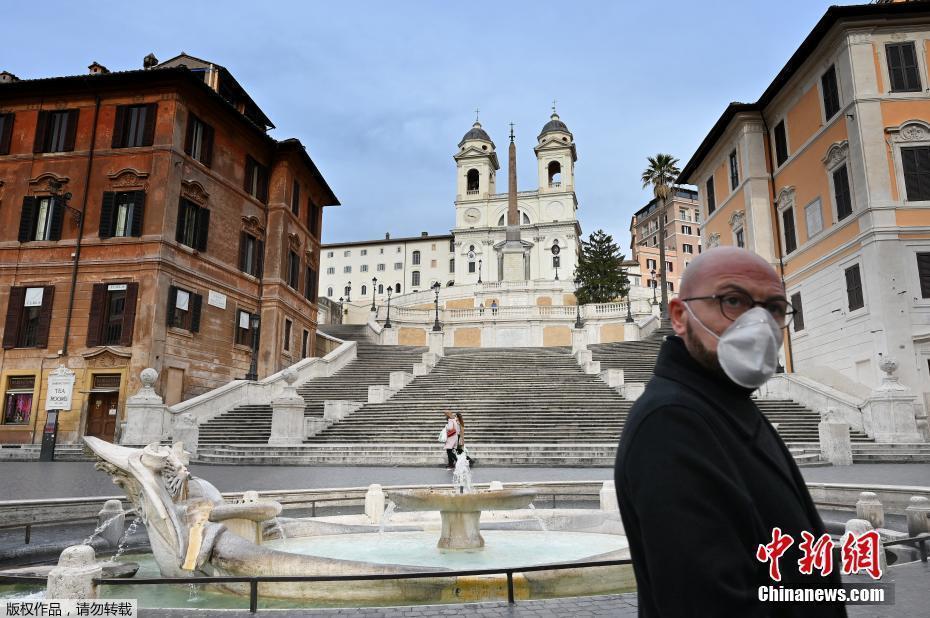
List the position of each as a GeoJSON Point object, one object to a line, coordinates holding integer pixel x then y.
{"type": "Point", "coordinates": [512, 250]}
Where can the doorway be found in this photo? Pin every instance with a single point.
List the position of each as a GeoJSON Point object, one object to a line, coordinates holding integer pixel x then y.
{"type": "Point", "coordinates": [101, 415]}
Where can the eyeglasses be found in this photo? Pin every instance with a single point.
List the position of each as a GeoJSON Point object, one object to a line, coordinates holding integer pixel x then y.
{"type": "Point", "coordinates": [734, 304]}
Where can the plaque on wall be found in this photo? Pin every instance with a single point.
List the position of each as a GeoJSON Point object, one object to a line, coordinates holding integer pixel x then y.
{"type": "Point", "coordinates": [216, 299]}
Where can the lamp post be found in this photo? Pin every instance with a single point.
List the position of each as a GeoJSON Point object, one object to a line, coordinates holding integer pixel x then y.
{"type": "Point", "coordinates": [436, 325]}
{"type": "Point", "coordinates": [374, 282]}
{"type": "Point", "coordinates": [629, 311]}
{"type": "Point", "coordinates": [653, 274]}
{"type": "Point", "coordinates": [387, 321]}
{"type": "Point", "coordinates": [479, 271]}
{"type": "Point", "coordinates": [254, 323]}
{"type": "Point", "coordinates": [349, 292]}
{"type": "Point", "coordinates": [578, 322]}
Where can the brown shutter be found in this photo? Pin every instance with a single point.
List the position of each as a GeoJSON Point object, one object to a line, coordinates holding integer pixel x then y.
{"type": "Point", "coordinates": [259, 258]}
{"type": "Point", "coordinates": [196, 305]}
{"type": "Point", "coordinates": [172, 299]}
{"type": "Point", "coordinates": [263, 183]}
{"type": "Point", "coordinates": [106, 214]}
{"type": "Point", "coordinates": [183, 207]}
{"type": "Point", "coordinates": [138, 212]}
{"type": "Point", "coordinates": [242, 265]}
{"type": "Point", "coordinates": [27, 221]}
{"type": "Point", "coordinates": [45, 317]}
{"type": "Point", "coordinates": [58, 216]}
{"type": "Point", "coordinates": [41, 127]}
{"type": "Point", "coordinates": [71, 129]}
{"type": "Point", "coordinates": [249, 170]}
{"type": "Point", "coordinates": [189, 136]}
{"type": "Point", "coordinates": [206, 150]}
{"type": "Point", "coordinates": [118, 124]}
{"type": "Point", "coordinates": [129, 314]}
{"type": "Point", "coordinates": [203, 228]}
{"type": "Point", "coordinates": [6, 135]}
{"type": "Point", "coordinates": [14, 313]}
{"type": "Point", "coordinates": [151, 114]}
{"type": "Point", "coordinates": [98, 306]}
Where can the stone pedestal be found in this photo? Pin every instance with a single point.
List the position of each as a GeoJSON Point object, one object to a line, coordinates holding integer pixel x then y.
{"type": "Point", "coordinates": [460, 530]}
{"type": "Point", "coordinates": [592, 367]}
{"type": "Point", "coordinates": [186, 431]}
{"type": "Point", "coordinates": [379, 393]}
{"type": "Point", "coordinates": [421, 369]}
{"type": "Point", "coordinates": [612, 377]}
{"type": "Point", "coordinates": [314, 425]}
{"type": "Point", "coordinates": [892, 408]}
{"type": "Point", "coordinates": [608, 495]}
{"type": "Point", "coordinates": [430, 359]}
{"type": "Point", "coordinates": [334, 410]}
{"type": "Point", "coordinates": [146, 413]}
{"type": "Point", "coordinates": [918, 516]}
{"type": "Point", "coordinates": [579, 340]}
{"type": "Point", "coordinates": [631, 390]}
{"type": "Point", "coordinates": [436, 343]}
{"type": "Point", "coordinates": [287, 416]}
{"type": "Point", "coordinates": [835, 445]}
{"type": "Point", "coordinates": [114, 518]}
{"type": "Point", "coordinates": [374, 503]}
{"type": "Point", "coordinates": [400, 379]}
{"type": "Point", "coordinates": [514, 268]}
{"type": "Point", "coordinates": [869, 508]}
{"type": "Point", "coordinates": [584, 356]}
{"type": "Point", "coordinates": [74, 576]}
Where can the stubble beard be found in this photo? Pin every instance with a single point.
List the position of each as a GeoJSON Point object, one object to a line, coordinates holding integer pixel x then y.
{"type": "Point", "coordinates": [705, 357]}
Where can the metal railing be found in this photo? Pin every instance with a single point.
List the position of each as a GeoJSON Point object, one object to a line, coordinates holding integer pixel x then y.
{"type": "Point", "coordinates": [46, 522]}
{"type": "Point", "coordinates": [919, 541]}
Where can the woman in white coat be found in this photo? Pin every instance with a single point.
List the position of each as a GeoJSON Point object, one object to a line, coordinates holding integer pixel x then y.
{"type": "Point", "coordinates": [452, 438]}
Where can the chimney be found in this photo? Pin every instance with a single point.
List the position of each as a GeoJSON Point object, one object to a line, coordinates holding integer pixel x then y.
{"type": "Point", "coordinates": [424, 233]}
{"type": "Point", "coordinates": [149, 61]}
{"type": "Point", "coordinates": [387, 236]}
{"type": "Point", "coordinates": [98, 69]}
{"type": "Point", "coordinates": [7, 78]}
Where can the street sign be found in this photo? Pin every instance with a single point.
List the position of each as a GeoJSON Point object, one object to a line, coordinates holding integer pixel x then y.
{"type": "Point", "coordinates": [60, 387]}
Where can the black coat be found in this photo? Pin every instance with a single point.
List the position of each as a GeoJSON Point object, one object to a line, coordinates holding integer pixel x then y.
{"type": "Point", "coordinates": [702, 478]}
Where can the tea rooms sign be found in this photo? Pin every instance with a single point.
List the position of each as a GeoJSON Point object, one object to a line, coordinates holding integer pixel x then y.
{"type": "Point", "coordinates": [60, 387]}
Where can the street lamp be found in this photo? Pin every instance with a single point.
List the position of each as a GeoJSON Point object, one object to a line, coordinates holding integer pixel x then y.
{"type": "Point", "coordinates": [436, 325]}
{"type": "Point", "coordinates": [653, 273]}
{"type": "Point", "coordinates": [629, 311]}
{"type": "Point", "coordinates": [479, 271]}
{"type": "Point", "coordinates": [374, 282]}
{"type": "Point", "coordinates": [254, 323]}
{"type": "Point", "coordinates": [578, 322]}
{"type": "Point", "coordinates": [387, 321]}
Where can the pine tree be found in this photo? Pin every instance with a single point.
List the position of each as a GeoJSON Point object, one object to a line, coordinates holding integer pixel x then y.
{"type": "Point", "coordinates": [599, 273]}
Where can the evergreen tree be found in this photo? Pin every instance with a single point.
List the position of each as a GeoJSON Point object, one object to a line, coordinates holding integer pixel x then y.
{"type": "Point", "coordinates": [599, 272]}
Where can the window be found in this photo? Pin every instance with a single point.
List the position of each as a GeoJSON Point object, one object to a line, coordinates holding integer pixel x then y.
{"type": "Point", "coordinates": [902, 67]}
{"type": "Point", "coordinates": [198, 142]}
{"type": "Point", "coordinates": [243, 328]}
{"type": "Point", "coordinates": [41, 219]}
{"type": "Point", "coordinates": [668, 266]}
{"type": "Point", "coordinates": [251, 254]}
{"type": "Point", "coordinates": [347, 253]}
{"type": "Point", "coordinates": [380, 288]}
{"type": "Point", "coordinates": [798, 319]}
{"type": "Point", "coordinates": [364, 252]}
{"type": "Point", "coordinates": [193, 225]}
{"type": "Point", "coordinates": [381, 251]}
{"type": "Point", "coordinates": [711, 196]}
{"type": "Point", "coordinates": [734, 171]}
{"type": "Point", "coordinates": [813, 215]}
{"type": "Point", "coordinates": [471, 181]}
{"type": "Point", "coordinates": [28, 316]}
{"type": "Point", "coordinates": [329, 254]}
{"type": "Point", "coordinates": [830, 92]}
{"type": "Point", "coordinates": [399, 249]}
{"type": "Point", "coordinates": [686, 229]}
{"type": "Point", "coordinates": [329, 292]}
{"type": "Point", "coordinates": [854, 288]}
{"type": "Point", "coordinates": [363, 268]}
{"type": "Point", "coordinates": [415, 278]}
{"type": "Point", "coordinates": [791, 242]}
{"type": "Point", "coordinates": [381, 268]}
{"type": "Point", "coordinates": [471, 266]}
{"type": "Point", "coordinates": [121, 214]}
{"type": "Point", "coordinates": [295, 199]}
{"type": "Point", "coordinates": [452, 265]}
{"type": "Point", "coordinates": [697, 218]}
{"type": "Point", "coordinates": [364, 290]}
{"type": "Point", "coordinates": [740, 238]}
{"type": "Point", "coordinates": [293, 270]}
{"type": "Point", "coordinates": [650, 263]}
{"type": "Point", "coordinates": [287, 335]}
{"type": "Point", "coordinates": [134, 125]}
{"type": "Point", "coordinates": [916, 163]}
{"type": "Point", "coordinates": [256, 179]}
{"type": "Point", "coordinates": [841, 192]}
{"type": "Point", "coordinates": [670, 286]}
{"type": "Point", "coordinates": [687, 248]}
{"type": "Point", "coordinates": [304, 344]}
{"type": "Point", "coordinates": [55, 131]}
{"type": "Point", "coordinates": [398, 265]}
{"type": "Point", "coordinates": [347, 269]}
{"type": "Point", "coordinates": [451, 244]}
{"type": "Point", "coordinates": [781, 143]}
{"type": "Point", "coordinates": [17, 406]}
{"type": "Point", "coordinates": [184, 309]}
{"type": "Point", "coordinates": [331, 271]}
{"type": "Point", "coordinates": [416, 258]}
{"type": "Point", "coordinates": [313, 217]}
{"type": "Point", "coordinates": [683, 214]}
{"type": "Point", "coordinates": [923, 274]}
{"type": "Point", "coordinates": [345, 291]}
{"type": "Point", "coordinates": [112, 314]}
{"type": "Point", "coordinates": [6, 132]}
{"type": "Point", "coordinates": [432, 263]}
{"type": "Point", "coordinates": [310, 284]}
{"type": "Point", "coordinates": [397, 288]}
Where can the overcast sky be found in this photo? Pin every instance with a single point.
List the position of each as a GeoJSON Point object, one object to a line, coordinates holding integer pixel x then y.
{"type": "Point", "coordinates": [382, 92]}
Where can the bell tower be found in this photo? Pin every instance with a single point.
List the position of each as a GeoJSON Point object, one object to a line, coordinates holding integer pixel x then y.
{"type": "Point", "coordinates": [556, 156]}
{"type": "Point", "coordinates": [476, 165]}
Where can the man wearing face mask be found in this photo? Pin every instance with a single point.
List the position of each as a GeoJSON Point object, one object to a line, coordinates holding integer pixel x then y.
{"type": "Point", "coordinates": [702, 477]}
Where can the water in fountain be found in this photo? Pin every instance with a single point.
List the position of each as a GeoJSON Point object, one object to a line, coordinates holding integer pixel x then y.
{"type": "Point", "coordinates": [121, 549]}
{"type": "Point", "coordinates": [99, 529]}
{"type": "Point", "coordinates": [277, 524]}
{"type": "Point", "coordinates": [386, 516]}
{"type": "Point", "coordinates": [192, 594]}
{"type": "Point", "coordinates": [461, 476]}
{"type": "Point", "coordinates": [542, 524]}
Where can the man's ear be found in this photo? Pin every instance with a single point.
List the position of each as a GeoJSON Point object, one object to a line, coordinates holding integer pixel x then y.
{"type": "Point", "coordinates": [678, 315]}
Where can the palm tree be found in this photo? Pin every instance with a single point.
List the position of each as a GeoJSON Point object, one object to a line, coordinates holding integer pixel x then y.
{"type": "Point", "coordinates": [661, 174]}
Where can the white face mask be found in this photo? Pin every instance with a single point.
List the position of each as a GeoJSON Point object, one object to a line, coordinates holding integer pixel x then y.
{"type": "Point", "coordinates": [748, 349]}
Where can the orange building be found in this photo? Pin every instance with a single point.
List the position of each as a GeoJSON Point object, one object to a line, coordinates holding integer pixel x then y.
{"type": "Point", "coordinates": [145, 217]}
{"type": "Point", "coordinates": [682, 238]}
{"type": "Point", "coordinates": [827, 176]}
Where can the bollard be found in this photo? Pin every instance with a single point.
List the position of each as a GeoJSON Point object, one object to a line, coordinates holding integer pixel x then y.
{"type": "Point", "coordinates": [918, 516]}
{"type": "Point", "coordinates": [112, 512]}
{"type": "Point", "coordinates": [869, 508]}
{"type": "Point", "coordinates": [374, 503]}
{"type": "Point", "coordinates": [74, 576]}
{"type": "Point", "coordinates": [859, 527]}
{"type": "Point", "coordinates": [608, 496]}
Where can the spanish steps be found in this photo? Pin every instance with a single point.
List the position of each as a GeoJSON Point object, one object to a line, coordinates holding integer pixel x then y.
{"type": "Point", "coordinates": [520, 405]}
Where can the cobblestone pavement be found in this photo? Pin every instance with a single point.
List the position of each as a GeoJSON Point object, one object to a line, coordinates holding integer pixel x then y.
{"type": "Point", "coordinates": [31, 480]}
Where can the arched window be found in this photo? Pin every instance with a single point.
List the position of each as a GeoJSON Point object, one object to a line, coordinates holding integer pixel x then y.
{"type": "Point", "coordinates": [380, 288]}
{"type": "Point", "coordinates": [364, 290]}
{"type": "Point", "coordinates": [416, 258]}
{"type": "Point", "coordinates": [524, 218]}
{"type": "Point", "coordinates": [555, 174]}
{"type": "Point", "coordinates": [397, 288]}
{"type": "Point", "coordinates": [472, 180]}
{"type": "Point", "coordinates": [346, 291]}
{"type": "Point", "coordinates": [449, 284]}
{"type": "Point", "coordinates": [329, 292]}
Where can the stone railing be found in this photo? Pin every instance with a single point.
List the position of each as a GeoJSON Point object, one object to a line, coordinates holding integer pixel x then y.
{"type": "Point", "coordinates": [816, 396]}
{"type": "Point", "coordinates": [524, 312]}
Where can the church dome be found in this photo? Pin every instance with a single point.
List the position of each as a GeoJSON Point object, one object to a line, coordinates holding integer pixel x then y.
{"type": "Point", "coordinates": [476, 132]}
{"type": "Point", "coordinates": [555, 124]}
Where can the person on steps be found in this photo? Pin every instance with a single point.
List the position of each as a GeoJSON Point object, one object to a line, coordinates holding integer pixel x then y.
{"type": "Point", "coordinates": [452, 438]}
{"type": "Point", "coordinates": [461, 445]}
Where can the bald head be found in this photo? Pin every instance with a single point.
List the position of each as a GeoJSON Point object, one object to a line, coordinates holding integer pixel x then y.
{"type": "Point", "coordinates": [716, 265]}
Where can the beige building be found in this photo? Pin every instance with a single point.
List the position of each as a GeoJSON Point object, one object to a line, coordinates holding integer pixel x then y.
{"type": "Point", "coordinates": [682, 238]}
